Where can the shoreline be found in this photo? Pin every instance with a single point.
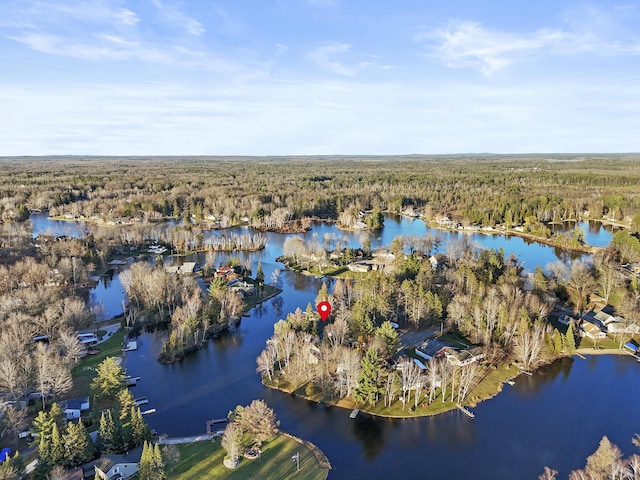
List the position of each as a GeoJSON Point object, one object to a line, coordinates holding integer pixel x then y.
{"type": "Point", "coordinates": [348, 403]}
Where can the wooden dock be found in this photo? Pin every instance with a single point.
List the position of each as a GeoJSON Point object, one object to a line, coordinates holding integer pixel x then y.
{"type": "Point", "coordinates": [141, 401]}
{"type": "Point", "coordinates": [211, 423]}
{"type": "Point", "coordinates": [147, 412]}
{"type": "Point", "coordinates": [468, 413]}
{"type": "Point", "coordinates": [354, 413]}
{"type": "Point", "coordinates": [131, 381]}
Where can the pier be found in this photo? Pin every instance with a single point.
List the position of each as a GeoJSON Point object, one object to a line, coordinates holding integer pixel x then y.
{"type": "Point", "coordinates": [354, 413]}
{"type": "Point", "coordinates": [468, 413]}
{"type": "Point", "coordinates": [141, 401]}
{"type": "Point", "coordinates": [211, 423]}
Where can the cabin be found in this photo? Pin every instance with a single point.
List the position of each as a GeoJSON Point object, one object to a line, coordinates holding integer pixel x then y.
{"type": "Point", "coordinates": [74, 407]}
{"type": "Point", "coordinates": [464, 357]}
{"type": "Point", "coordinates": [115, 467]}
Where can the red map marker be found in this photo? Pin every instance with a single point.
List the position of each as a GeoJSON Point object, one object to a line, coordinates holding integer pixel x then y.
{"type": "Point", "coordinates": [324, 309]}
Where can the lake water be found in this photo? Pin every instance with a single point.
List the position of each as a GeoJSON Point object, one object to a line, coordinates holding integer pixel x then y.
{"type": "Point", "coordinates": [554, 418]}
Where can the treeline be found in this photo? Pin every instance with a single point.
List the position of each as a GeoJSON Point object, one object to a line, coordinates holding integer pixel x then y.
{"type": "Point", "coordinates": [270, 193]}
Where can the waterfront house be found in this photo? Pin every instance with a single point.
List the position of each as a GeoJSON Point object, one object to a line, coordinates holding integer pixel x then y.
{"type": "Point", "coordinates": [592, 331]}
{"type": "Point", "coordinates": [74, 407]}
{"type": "Point", "coordinates": [464, 357]}
{"type": "Point", "coordinates": [115, 467]}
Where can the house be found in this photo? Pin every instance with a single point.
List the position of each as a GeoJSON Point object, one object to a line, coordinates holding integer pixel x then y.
{"type": "Point", "coordinates": [432, 349]}
{"type": "Point", "coordinates": [620, 325]}
{"type": "Point", "coordinates": [74, 407]}
{"type": "Point", "coordinates": [359, 267]}
{"type": "Point", "coordinates": [223, 271]}
{"type": "Point", "coordinates": [592, 331]}
{"type": "Point", "coordinates": [187, 268]}
{"type": "Point", "coordinates": [464, 357]}
{"type": "Point", "coordinates": [116, 467]}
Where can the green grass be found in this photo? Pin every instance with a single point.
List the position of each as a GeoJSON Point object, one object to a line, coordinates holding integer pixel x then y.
{"type": "Point", "coordinates": [202, 460]}
{"type": "Point", "coordinates": [268, 291]}
{"type": "Point", "coordinates": [110, 348]}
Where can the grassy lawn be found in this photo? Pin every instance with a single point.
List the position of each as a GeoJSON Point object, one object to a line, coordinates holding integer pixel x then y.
{"type": "Point", "coordinates": [204, 460]}
{"type": "Point", "coordinates": [267, 292]}
{"type": "Point", "coordinates": [110, 348]}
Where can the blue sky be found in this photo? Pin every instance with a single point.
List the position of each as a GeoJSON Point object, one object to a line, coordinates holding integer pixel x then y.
{"type": "Point", "coordinates": [298, 77]}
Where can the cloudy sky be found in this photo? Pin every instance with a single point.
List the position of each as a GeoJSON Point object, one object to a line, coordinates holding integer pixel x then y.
{"type": "Point", "coordinates": [294, 77]}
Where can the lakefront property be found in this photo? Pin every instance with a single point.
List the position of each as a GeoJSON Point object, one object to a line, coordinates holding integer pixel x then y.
{"type": "Point", "coordinates": [148, 337]}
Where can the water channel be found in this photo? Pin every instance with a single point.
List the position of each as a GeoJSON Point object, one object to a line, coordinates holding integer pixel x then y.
{"type": "Point", "coordinates": [554, 418]}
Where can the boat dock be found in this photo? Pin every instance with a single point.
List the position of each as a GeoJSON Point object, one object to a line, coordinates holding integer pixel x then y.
{"type": "Point", "coordinates": [141, 401]}
{"type": "Point", "coordinates": [147, 412]}
{"type": "Point", "coordinates": [131, 381]}
{"type": "Point", "coordinates": [211, 423]}
{"type": "Point", "coordinates": [467, 412]}
{"type": "Point", "coordinates": [354, 413]}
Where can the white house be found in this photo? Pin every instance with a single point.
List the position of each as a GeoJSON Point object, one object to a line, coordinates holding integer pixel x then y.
{"type": "Point", "coordinates": [117, 467]}
{"type": "Point", "coordinates": [592, 331]}
{"type": "Point", "coordinates": [74, 407]}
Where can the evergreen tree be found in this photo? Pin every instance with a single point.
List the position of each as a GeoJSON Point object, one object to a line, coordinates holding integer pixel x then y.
{"type": "Point", "coordinates": [260, 276]}
{"type": "Point", "coordinates": [109, 434]}
{"type": "Point", "coordinates": [80, 448]}
{"type": "Point", "coordinates": [109, 379]}
{"type": "Point", "coordinates": [126, 401]}
{"type": "Point", "coordinates": [570, 341]}
{"type": "Point", "coordinates": [57, 452]}
{"type": "Point", "coordinates": [139, 428]}
{"type": "Point", "coordinates": [557, 341]}
{"type": "Point", "coordinates": [42, 428]}
{"type": "Point", "coordinates": [158, 464]}
{"type": "Point", "coordinates": [151, 466]}
{"type": "Point", "coordinates": [389, 336]}
{"type": "Point", "coordinates": [145, 467]}
{"type": "Point", "coordinates": [369, 387]}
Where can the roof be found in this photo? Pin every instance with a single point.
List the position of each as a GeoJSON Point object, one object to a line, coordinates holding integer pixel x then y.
{"type": "Point", "coordinates": [4, 454]}
{"type": "Point", "coordinates": [74, 403]}
{"type": "Point", "coordinates": [106, 462]}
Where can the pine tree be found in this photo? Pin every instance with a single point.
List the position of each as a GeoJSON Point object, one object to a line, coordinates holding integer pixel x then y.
{"type": "Point", "coordinates": [151, 465]}
{"type": "Point", "coordinates": [57, 452]}
{"type": "Point", "coordinates": [260, 276]}
{"type": "Point", "coordinates": [110, 377]}
{"type": "Point", "coordinates": [80, 448]}
{"type": "Point", "coordinates": [139, 428]}
{"type": "Point", "coordinates": [389, 336]}
{"type": "Point", "coordinates": [126, 401]}
{"type": "Point", "coordinates": [145, 467]}
{"type": "Point", "coordinates": [369, 383]}
{"type": "Point", "coordinates": [570, 341]}
{"type": "Point", "coordinates": [43, 427]}
{"type": "Point", "coordinates": [158, 464]}
{"type": "Point", "coordinates": [110, 434]}
{"type": "Point", "coordinates": [557, 341]}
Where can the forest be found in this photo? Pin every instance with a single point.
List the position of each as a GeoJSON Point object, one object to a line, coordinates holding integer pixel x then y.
{"type": "Point", "coordinates": [282, 193]}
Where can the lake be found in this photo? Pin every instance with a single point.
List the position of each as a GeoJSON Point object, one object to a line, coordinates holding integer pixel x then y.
{"type": "Point", "coordinates": [554, 418]}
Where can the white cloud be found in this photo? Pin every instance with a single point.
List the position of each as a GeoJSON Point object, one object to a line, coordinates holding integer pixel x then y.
{"type": "Point", "coordinates": [469, 44]}
{"type": "Point", "coordinates": [347, 117]}
{"type": "Point", "coordinates": [170, 12]}
{"type": "Point", "coordinates": [340, 58]}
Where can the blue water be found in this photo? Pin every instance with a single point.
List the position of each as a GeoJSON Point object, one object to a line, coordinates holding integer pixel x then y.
{"type": "Point", "coordinates": [554, 418]}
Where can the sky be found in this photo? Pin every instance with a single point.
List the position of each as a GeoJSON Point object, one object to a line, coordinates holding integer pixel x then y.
{"type": "Point", "coordinates": [318, 77]}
